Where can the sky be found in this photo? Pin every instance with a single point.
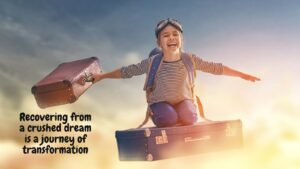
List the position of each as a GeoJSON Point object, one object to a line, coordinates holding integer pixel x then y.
{"type": "Point", "coordinates": [260, 37]}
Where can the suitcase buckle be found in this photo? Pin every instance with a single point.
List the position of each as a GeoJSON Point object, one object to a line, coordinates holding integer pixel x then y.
{"type": "Point", "coordinates": [163, 139]}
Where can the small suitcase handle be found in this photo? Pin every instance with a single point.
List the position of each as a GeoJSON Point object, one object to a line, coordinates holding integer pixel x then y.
{"type": "Point", "coordinates": [87, 77]}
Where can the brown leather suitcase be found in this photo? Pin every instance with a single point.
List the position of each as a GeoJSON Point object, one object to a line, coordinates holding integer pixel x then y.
{"type": "Point", "coordinates": [62, 85]}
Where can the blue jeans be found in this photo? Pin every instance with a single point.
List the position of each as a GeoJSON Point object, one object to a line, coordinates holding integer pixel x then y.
{"type": "Point", "coordinates": [167, 115]}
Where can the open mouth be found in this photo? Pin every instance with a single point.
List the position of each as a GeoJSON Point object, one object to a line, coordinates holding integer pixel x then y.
{"type": "Point", "coordinates": [172, 45]}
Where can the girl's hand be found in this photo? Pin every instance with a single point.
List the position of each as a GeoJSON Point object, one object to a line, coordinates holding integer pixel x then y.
{"type": "Point", "coordinates": [232, 72]}
{"type": "Point", "coordinates": [98, 77]}
{"type": "Point", "coordinates": [250, 77]}
{"type": "Point", "coordinates": [86, 78]}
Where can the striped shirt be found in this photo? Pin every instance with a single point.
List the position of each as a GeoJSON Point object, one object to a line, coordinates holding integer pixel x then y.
{"type": "Point", "coordinates": [171, 82]}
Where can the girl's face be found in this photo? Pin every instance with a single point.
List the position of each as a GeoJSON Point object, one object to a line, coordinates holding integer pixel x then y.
{"type": "Point", "coordinates": [170, 40]}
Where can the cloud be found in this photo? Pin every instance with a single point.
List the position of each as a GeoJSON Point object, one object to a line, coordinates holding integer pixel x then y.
{"type": "Point", "coordinates": [131, 58]}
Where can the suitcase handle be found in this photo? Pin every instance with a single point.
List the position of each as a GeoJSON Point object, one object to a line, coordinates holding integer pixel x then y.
{"type": "Point", "coordinates": [86, 78]}
{"type": "Point", "coordinates": [89, 77]}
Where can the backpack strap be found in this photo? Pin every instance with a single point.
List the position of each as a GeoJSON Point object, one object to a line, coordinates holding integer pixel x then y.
{"type": "Point", "coordinates": [191, 69]}
{"type": "Point", "coordinates": [187, 61]}
{"type": "Point", "coordinates": [191, 66]}
{"type": "Point", "coordinates": [148, 114]}
{"type": "Point", "coordinates": [153, 68]}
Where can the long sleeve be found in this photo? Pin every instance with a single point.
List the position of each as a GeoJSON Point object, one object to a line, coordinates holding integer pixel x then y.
{"type": "Point", "coordinates": [135, 69]}
{"type": "Point", "coordinates": [209, 67]}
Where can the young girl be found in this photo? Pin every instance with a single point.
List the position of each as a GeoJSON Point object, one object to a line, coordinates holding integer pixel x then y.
{"type": "Point", "coordinates": [170, 98]}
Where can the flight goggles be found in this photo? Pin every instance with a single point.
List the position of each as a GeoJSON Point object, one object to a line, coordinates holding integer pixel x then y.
{"type": "Point", "coordinates": [163, 23]}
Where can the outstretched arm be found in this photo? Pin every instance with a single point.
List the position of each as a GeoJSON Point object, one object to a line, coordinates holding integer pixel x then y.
{"type": "Point", "coordinates": [232, 72]}
{"type": "Point", "coordinates": [116, 74]}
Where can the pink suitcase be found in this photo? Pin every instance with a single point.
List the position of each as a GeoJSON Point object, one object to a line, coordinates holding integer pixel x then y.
{"type": "Point", "coordinates": [62, 85]}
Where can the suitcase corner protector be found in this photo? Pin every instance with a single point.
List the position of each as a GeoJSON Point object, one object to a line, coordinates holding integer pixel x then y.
{"type": "Point", "coordinates": [67, 83]}
{"type": "Point", "coordinates": [147, 132]}
{"type": "Point", "coordinates": [72, 99]}
{"type": "Point", "coordinates": [149, 157]}
{"type": "Point", "coordinates": [94, 58]}
{"type": "Point", "coordinates": [33, 89]}
{"type": "Point", "coordinates": [42, 106]}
